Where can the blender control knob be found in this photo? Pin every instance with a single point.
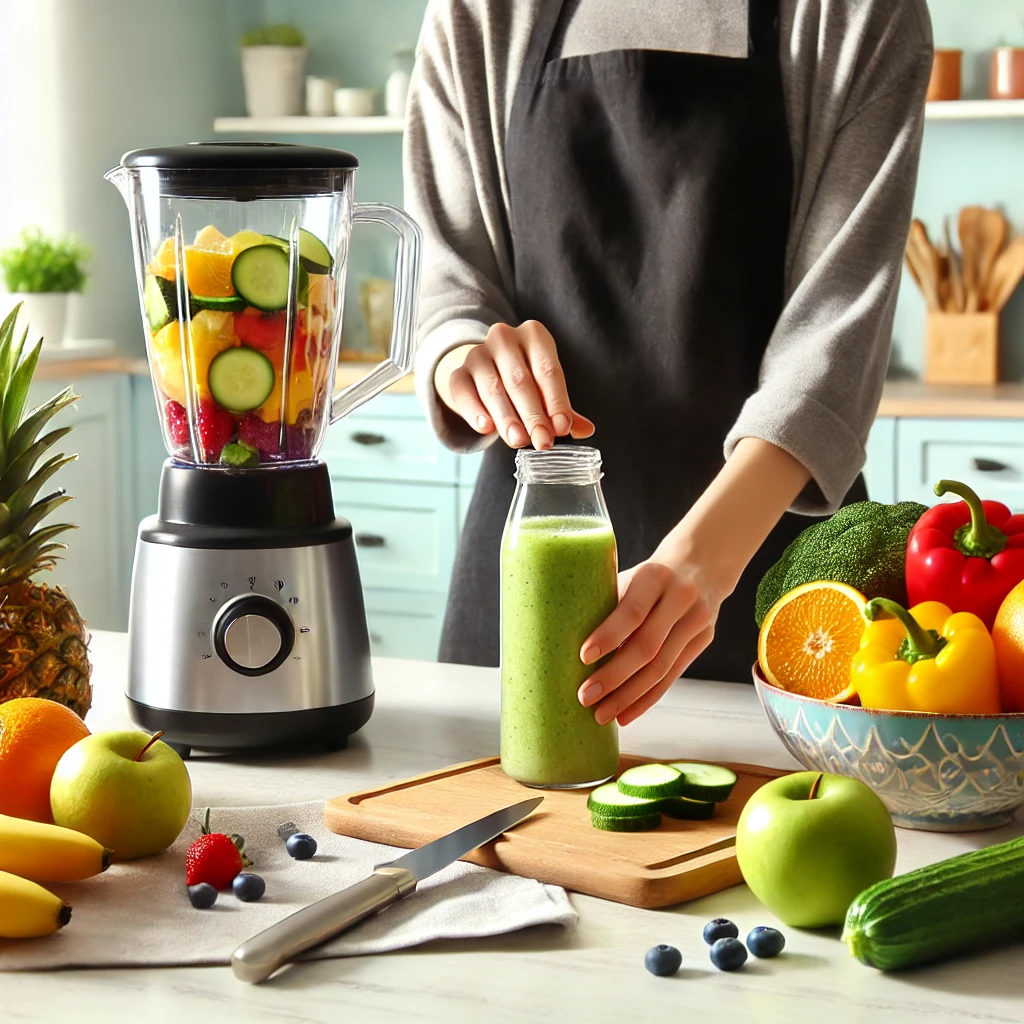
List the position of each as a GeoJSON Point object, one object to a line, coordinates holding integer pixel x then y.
{"type": "Point", "coordinates": [253, 635]}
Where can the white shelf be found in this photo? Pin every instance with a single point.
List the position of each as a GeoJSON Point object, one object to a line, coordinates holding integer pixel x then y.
{"type": "Point", "coordinates": [312, 125]}
{"type": "Point", "coordinates": [973, 110]}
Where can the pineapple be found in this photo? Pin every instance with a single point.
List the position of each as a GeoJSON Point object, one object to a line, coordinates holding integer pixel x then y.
{"type": "Point", "coordinates": [43, 640]}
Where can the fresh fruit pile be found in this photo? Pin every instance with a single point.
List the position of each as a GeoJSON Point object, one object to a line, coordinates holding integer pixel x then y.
{"type": "Point", "coordinates": [727, 953]}
{"type": "Point", "coordinates": [637, 801]}
{"type": "Point", "coordinates": [901, 608]}
{"type": "Point", "coordinates": [233, 353]}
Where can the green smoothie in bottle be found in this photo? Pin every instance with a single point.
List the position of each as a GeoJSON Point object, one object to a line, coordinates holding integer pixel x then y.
{"type": "Point", "coordinates": [558, 583]}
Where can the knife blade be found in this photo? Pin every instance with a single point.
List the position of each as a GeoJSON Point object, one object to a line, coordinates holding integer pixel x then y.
{"type": "Point", "coordinates": [257, 958]}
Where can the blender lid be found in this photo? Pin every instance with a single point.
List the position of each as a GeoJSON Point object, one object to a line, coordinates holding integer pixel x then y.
{"type": "Point", "coordinates": [245, 170]}
{"type": "Point", "coordinates": [239, 156]}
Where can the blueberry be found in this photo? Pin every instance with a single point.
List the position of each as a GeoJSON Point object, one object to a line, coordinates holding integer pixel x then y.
{"type": "Point", "coordinates": [728, 954]}
{"type": "Point", "coordinates": [663, 960]}
{"type": "Point", "coordinates": [720, 928]}
{"type": "Point", "coordinates": [202, 896]}
{"type": "Point", "coordinates": [765, 942]}
{"type": "Point", "coordinates": [300, 846]}
{"type": "Point", "coordinates": [248, 887]}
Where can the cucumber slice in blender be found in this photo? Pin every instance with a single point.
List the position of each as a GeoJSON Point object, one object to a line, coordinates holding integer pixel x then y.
{"type": "Point", "coordinates": [313, 254]}
{"type": "Point", "coordinates": [642, 823]}
{"type": "Point", "coordinates": [241, 379]}
{"type": "Point", "coordinates": [650, 781]}
{"type": "Point", "coordinates": [160, 299]}
{"type": "Point", "coordinates": [221, 304]}
{"type": "Point", "coordinates": [684, 808]}
{"type": "Point", "coordinates": [260, 276]}
{"type": "Point", "coordinates": [609, 802]}
{"type": "Point", "coordinates": [705, 781]}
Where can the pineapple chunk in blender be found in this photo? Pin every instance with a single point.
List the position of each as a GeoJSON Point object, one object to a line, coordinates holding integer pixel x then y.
{"type": "Point", "coordinates": [212, 333]}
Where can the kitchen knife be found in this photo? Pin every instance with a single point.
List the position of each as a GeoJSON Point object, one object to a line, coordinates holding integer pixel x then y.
{"type": "Point", "coordinates": [257, 958]}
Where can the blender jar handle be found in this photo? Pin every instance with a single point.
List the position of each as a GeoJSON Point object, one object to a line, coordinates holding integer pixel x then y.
{"type": "Point", "coordinates": [407, 272]}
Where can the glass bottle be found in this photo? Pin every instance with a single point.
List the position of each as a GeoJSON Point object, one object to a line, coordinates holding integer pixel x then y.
{"type": "Point", "coordinates": [559, 572]}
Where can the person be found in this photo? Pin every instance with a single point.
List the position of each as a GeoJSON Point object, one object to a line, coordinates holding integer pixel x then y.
{"type": "Point", "coordinates": [674, 228]}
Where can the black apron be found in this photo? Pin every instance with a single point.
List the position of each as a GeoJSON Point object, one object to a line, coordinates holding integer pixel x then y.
{"type": "Point", "coordinates": [650, 196]}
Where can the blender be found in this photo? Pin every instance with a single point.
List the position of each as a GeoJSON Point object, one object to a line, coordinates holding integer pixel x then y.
{"type": "Point", "coordinates": [246, 623]}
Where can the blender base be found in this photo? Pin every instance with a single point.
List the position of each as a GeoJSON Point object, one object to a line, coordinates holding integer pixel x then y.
{"type": "Point", "coordinates": [220, 733]}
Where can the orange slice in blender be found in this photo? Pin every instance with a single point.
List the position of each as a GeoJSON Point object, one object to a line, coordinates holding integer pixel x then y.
{"type": "Point", "coordinates": [210, 239]}
{"type": "Point", "coordinates": [808, 638]}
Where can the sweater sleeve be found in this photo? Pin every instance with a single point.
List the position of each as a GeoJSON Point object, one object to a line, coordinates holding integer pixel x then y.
{"type": "Point", "coordinates": [822, 372]}
{"type": "Point", "coordinates": [453, 190]}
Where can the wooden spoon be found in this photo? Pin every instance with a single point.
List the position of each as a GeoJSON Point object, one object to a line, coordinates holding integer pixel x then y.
{"type": "Point", "coordinates": [956, 280]}
{"type": "Point", "coordinates": [992, 232]}
{"type": "Point", "coordinates": [1006, 274]}
{"type": "Point", "coordinates": [970, 218]}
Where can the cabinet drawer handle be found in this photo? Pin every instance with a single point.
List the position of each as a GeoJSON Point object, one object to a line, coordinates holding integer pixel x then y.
{"type": "Point", "coordinates": [369, 540]}
{"type": "Point", "coordinates": [989, 465]}
{"type": "Point", "coordinates": [366, 438]}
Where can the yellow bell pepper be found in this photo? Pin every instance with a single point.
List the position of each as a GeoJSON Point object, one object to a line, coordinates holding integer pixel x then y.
{"type": "Point", "coordinates": [927, 659]}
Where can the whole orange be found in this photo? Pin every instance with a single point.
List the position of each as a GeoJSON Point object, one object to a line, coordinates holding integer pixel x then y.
{"type": "Point", "coordinates": [1008, 636]}
{"type": "Point", "coordinates": [34, 733]}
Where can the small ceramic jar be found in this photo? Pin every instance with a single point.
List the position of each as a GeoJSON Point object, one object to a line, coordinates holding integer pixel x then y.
{"type": "Point", "coordinates": [946, 73]}
{"type": "Point", "coordinates": [1007, 79]}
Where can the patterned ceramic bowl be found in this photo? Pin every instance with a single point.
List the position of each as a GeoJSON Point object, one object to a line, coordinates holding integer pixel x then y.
{"type": "Point", "coordinates": [943, 773]}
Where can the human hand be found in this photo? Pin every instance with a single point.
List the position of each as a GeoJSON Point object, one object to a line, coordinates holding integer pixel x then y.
{"type": "Point", "coordinates": [665, 618]}
{"type": "Point", "coordinates": [513, 383]}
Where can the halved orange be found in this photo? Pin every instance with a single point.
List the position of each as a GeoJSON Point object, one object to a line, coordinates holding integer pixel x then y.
{"type": "Point", "coordinates": [809, 637]}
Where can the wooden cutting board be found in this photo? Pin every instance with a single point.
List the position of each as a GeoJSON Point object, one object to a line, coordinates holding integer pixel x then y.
{"type": "Point", "coordinates": [557, 844]}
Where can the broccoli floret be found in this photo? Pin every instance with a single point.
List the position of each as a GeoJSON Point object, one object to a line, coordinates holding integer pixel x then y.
{"type": "Point", "coordinates": [863, 545]}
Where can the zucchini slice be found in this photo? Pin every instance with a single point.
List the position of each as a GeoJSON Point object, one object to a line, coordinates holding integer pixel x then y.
{"type": "Point", "coordinates": [220, 304]}
{"type": "Point", "coordinates": [260, 276]}
{"type": "Point", "coordinates": [609, 802]}
{"type": "Point", "coordinates": [705, 781]}
{"type": "Point", "coordinates": [241, 379]}
{"type": "Point", "coordinates": [686, 809]}
{"type": "Point", "coordinates": [612, 823]}
{"type": "Point", "coordinates": [313, 254]}
{"type": "Point", "coordinates": [651, 781]}
{"type": "Point", "coordinates": [160, 299]}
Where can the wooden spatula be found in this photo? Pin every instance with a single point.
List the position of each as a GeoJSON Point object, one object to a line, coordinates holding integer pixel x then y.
{"type": "Point", "coordinates": [1006, 274]}
{"type": "Point", "coordinates": [956, 280]}
{"type": "Point", "coordinates": [992, 232]}
{"type": "Point", "coordinates": [926, 262]}
{"type": "Point", "coordinates": [970, 244]}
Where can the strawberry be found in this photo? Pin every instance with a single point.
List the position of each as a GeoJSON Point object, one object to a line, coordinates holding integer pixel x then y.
{"type": "Point", "coordinates": [177, 423]}
{"type": "Point", "coordinates": [264, 437]}
{"type": "Point", "coordinates": [215, 428]}
{"type": "Point", "coordinates": [215, 858]}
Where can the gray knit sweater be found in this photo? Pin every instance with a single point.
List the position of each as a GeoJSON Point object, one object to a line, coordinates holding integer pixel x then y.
{"type": "Point", "coordinates": [854, 74]}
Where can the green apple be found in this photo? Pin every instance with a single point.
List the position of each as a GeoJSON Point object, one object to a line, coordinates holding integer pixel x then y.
{"type": "Point", "coordinates": [127, 790]}
{"type": "Point", "coordinates": [809, 843]}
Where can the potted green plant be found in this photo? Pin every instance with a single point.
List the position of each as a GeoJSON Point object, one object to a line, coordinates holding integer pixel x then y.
{"type": "Point", "coordinates": [41, 272]}
{"type": "Point", "coordinates": [273, 65]}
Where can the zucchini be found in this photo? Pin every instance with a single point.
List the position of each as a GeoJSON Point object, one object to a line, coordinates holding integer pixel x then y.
{"type": "Point", "coordinates": [610, 802]}
{"type": "Point", "coordinates": [686, 809]}
{"type": "Point", "coordinates": [705, 781]}
{"type": "Point", "coordinates": [650, 781]}
{"type": "Point", "coordinates": [218, 303]}
{"type": "Point", "coordinates": [614, 823]}
{"type": "Point", "coordinates": [160, 299]}
{"type": "Point", "coordinates": [957, 906]}
{"type": "Point", "coordinates": [313, 254]}
{"type": "Point", "coordinates": [241, 379]}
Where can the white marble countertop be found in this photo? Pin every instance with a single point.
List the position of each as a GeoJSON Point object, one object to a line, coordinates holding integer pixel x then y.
{"type": "Point", "coordinates": [428, 716]}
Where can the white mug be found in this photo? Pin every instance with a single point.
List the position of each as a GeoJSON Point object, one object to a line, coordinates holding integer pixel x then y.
{"type": "Point", "coordinates": [353, 102]}
{"type": "Point", "coordinates": [320, 95]}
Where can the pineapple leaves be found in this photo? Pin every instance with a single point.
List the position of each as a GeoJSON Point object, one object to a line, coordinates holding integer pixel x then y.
{"type": "Point", "coordinates": [27, 431]}
{"type": "Point", "coordinates": [22, 499]}
{"type": "Point", "coordinates": [30, 556]}
{"type": "Point", "coordinates": [18, 471]}
{"type": "Point", "coordinates": [38, 512]}
{"type": "Point", "coordinates": [16, 394]}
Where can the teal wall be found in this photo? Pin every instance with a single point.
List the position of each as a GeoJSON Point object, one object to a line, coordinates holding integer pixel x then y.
{"type": "Point", "coordinates": [965, 162]}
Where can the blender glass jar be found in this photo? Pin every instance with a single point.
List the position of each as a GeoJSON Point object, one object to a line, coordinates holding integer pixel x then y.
{"type": "Point", "coordinates": [559, 576]}
{"type": "Point", "coordinates": [240, 254]}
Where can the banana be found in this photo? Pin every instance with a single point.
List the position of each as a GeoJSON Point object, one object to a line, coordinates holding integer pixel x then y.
{"type": "Point", "coordinates": [27, 910]}
{"type": "Point", "coordinates": [48, 853]}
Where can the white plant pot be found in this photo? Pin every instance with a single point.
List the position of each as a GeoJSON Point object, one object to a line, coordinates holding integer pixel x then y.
{"type": "Point", "coordinates": [274, 77]}
{"type": "Point", "coordinates": [44, 314]}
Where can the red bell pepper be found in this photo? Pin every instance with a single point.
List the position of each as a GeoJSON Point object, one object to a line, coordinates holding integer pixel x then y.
{"type": "Point", "coordinates": [967, 554]}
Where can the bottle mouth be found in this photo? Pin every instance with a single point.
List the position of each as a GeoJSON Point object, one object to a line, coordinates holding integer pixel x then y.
{"type": "Point", "coordinates": [563, 464]}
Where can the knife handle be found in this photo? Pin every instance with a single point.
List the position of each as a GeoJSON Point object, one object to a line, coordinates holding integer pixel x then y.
{"type": "Point", "coordinates": [257, 958]}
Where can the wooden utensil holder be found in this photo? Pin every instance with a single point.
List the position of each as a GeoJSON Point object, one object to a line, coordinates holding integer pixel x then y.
{"type": "Point", "coordinates": [962, 348]}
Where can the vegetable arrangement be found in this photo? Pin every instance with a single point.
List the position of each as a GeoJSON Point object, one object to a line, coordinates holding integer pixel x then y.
{"type": "Point", "coordinates": [901, 608]}
{"type": "Point", "coordinates": [234, 345]}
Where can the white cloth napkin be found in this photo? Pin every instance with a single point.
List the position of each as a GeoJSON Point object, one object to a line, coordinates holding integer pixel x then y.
{"type": "Point", "coordinates": [138, 914]}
